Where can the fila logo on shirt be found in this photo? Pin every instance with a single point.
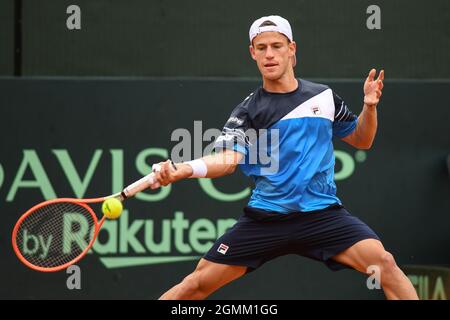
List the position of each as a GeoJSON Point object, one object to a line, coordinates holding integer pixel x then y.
{"type": "Point", "coordinates": [315, 110]}
{"type": "Point", "coordinates": [222, 248]}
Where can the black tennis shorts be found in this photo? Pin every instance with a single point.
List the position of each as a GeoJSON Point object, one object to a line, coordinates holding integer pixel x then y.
{"type": "Point", "coordinates": [260, 236]}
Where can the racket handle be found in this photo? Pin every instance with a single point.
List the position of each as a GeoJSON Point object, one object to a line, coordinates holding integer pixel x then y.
{"type": "Point", "coordinates": [139, 185]}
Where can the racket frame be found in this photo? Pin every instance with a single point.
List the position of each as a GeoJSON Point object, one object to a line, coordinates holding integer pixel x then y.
{"type": "Point", "coordinates": [81, 202]}
{"type": "Point", "coordinates": [137, 186]}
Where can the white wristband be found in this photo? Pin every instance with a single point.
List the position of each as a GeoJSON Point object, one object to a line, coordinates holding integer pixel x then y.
{"type": "Point", "coordinates": [199, 168]}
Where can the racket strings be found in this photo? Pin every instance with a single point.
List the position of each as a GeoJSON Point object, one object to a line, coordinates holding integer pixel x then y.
{"type": "Point", "coordinates": [55, 234]}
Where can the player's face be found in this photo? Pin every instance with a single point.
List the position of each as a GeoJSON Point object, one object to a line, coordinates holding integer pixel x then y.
{"type": "Point", "coordinates": [273, 54]}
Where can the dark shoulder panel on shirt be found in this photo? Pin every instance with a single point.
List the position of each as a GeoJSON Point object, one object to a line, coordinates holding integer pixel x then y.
{"type": "Point", "coordinates": [265, 108]}
{"type": "Point", "coordinates": [311, 89]}
{"type": "Point", "coordinates": [239, 117]}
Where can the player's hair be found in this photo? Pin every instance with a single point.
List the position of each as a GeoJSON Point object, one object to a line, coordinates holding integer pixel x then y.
{"type": "Point", "coordinates": [267, 23]}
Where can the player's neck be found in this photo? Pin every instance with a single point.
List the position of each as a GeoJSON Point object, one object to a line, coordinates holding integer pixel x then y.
{"type": "Point", "coordinates": [286, 83]}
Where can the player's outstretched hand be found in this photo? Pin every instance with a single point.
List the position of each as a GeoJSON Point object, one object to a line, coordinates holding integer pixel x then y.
{"type": "Point", "coordinates": [167, 172]}
{"type": "Point", "coordinates": [373, 88]}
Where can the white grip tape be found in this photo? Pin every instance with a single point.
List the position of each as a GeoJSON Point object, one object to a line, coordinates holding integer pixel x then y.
{"type": "Point", "coordinates": [140, 185]}
{"type": "Point", "coordinates": [156, 168]}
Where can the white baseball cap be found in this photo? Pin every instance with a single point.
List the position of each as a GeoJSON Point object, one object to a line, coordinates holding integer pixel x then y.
{"type": "Point", "coordinates": [270, 23]}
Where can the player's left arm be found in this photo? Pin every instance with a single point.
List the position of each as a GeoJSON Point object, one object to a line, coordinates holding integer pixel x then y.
{"type": "Point", "coordinates": [364, 134]}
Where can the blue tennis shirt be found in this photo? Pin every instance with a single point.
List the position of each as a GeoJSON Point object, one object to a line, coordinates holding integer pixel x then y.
{"type": "Point", "coordinates": [287, 142]}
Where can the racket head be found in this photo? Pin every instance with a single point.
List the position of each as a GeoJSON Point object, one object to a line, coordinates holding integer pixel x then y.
{"type": "Point", "coordinates": [52, 227]}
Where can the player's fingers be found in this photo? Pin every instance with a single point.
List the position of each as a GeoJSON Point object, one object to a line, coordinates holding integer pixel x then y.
{"type": "Point", "coordinates": [156, 168]}
{"type": "Point", "coordinates": [380, 84]}
{"type": "Point", "coordinates": [167, 169]}
{"type": "Point", "coordinates": [155, 185]}
{"type": "Point", "coordinates": [158, 177]}
{"type": "Point", "coordinates": [378, 93]}
{"type": "Point", "coordinates": [381, 75]}
{"type": "Point", "coordinates": [371, 75]}
{"type": "Point", "coordinates": [164, 172]}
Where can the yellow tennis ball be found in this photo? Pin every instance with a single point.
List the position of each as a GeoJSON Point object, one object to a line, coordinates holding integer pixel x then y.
{"type": "Point", "coordinates": [112, 208]}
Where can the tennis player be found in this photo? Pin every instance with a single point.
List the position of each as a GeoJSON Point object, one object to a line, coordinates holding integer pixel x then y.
{"type": "Point", "coordinates": [294, 208]}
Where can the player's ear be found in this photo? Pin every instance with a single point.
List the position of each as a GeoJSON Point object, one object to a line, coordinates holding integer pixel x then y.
{"type": "Point", "coordinates": [293, 47]}
{"type": "Point", "coordinates": [292, 52]}
{"type": "Point", "coordinates": [252, 52]}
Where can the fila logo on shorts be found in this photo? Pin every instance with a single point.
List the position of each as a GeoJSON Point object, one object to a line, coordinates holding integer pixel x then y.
{"type": "Point", "coordinates": [222, 248]}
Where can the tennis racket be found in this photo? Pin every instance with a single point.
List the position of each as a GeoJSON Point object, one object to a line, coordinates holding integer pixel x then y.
{"type": "Point", "coordinates": [57, 233]}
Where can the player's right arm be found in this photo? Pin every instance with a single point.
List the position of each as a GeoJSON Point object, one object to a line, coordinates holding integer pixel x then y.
{"type": "Point", "coordinates": [213, 166]}
{"type": "Point", "coordinates": [222, 163]}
